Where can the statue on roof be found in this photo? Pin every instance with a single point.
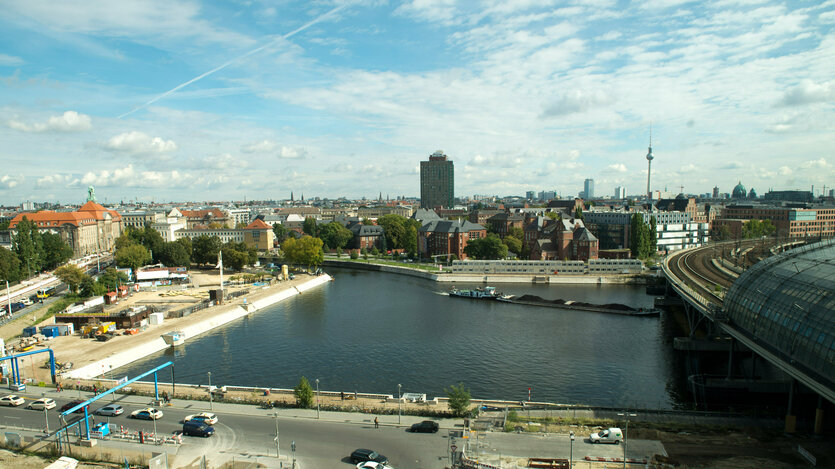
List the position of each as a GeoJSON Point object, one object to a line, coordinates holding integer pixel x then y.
{"type": "Point", "coordinates": [91, 194]}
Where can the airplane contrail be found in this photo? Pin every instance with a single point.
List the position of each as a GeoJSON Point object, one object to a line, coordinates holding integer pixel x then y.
{"type": "Point", "coordinates": [230, 62]}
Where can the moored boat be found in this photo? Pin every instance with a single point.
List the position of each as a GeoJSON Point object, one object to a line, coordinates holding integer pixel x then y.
{"type": "Point", "coordinates": [486, 293]}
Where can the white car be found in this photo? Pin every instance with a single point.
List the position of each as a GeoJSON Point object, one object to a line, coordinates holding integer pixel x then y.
{"type": "Point", "coordinates": [373, 465]}
{"type": "Point", "coordinates": [206, 417]}
{"type": "Point", "coordinates": [12, 400]}
{"type": "Point", "coordinates": [146, 414]}
{"type": "Point", "coordinates": [42, 404]}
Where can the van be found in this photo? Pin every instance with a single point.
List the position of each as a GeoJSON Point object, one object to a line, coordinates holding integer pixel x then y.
{"type": "Point", "coordinates": [609, 435]}
{"type": "Point", "coordinates": [197, 428]}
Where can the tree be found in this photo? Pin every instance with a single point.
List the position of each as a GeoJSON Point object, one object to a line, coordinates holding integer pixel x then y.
{"type": "Point", "coordinates": [90, 287]}
{"type": "Point", "coordinates": [280, 232]}
{"type": "Point", "coordinates": [334, 235]}
{"type": "Point", "coordinates": [205, 249]}
{"type": "Point", "coordinates": [28, 246]}
{"type": "Point", "coordinates": [513, 244]}
{"type": "Point", "coordinates": [233, 258]}
{"type": "Point", "coordinates": [653, 235]}
{"type": "Point", "coordinates": [112, 278]}
{"type": "Point", "coordinates": [639, 237]}
{"type": "Point", "coordinates": [9, 266]}
{"type": "Point", "coordinates": [722, 234]}
{"type": "Point", "coordinates": [490, 247]}
{"type": "Point", "coordinates": [71, 275]}
{"type": "Point", "coordinates": [304, 394]}
{"type": "Point", "coordinates": [174, 254]}
{"type": "Point", "coordinates": [395, 229]}
{"type": "Point", "coordinates": [578, 213]}
{"type": "Point", "coordinates": [306, 250]}
{"type": "Point", "coordinates": [133, 257]}
{"type": "Point", "coordinates": [459, 399]}
{"type": "Point", "coordinates": [516, 232]}
{"type": "Point", "coordinates": [553, 215]}
{"type": "Point", "coordinates": [55, 250]}
{"type": "Point", "coordinates": [310, 227]}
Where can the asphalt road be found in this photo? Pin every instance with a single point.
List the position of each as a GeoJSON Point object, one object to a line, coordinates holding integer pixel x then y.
{"type": "Point", "coordinates": [319, 443]}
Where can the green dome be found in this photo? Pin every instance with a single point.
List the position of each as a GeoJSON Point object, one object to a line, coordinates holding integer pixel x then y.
{"type": "Point", "coordinates": [739, 191]}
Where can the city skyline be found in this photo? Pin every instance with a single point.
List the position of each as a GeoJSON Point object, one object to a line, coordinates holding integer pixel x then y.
{"type": "Point", "coordinates": [202, 100]}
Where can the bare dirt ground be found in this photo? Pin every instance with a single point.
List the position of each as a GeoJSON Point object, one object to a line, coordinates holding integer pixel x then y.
{"type": "Point", "coordinates": [27, 461]}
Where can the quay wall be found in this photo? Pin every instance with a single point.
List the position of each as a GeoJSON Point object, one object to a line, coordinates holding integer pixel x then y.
{"type": "Point", "coordinates": [632, 279]}
{"type": "Point", "coordinates": [215, 320]}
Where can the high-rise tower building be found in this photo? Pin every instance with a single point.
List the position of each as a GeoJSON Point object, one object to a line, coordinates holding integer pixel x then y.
{"type": "Point", "coordinates": [588, 189]}
{"type": "Point", "coordinates": [437, 182]}
{"type": "Point", "coordinates": [620, 192]}
{"type": "Point", "coordinates": [650, 157]}
{"type": "Point", "coordinates": [715, 192]}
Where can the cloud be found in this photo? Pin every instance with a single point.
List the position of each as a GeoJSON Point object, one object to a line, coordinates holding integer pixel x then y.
{"type": "Point", "coordinates": [70, 121]}
{"type": "Point", "coordinates": [815, 164]}
{"type": "Point", "coordinates": [688, 168]}
{"type": "Point", "coordinates": [617, 167]}
{"type": "Point", "coordinates": [10, 60]}
{"type": "Point", "coordinates": [139, 143]}
{"type": "Point", "coordinates": [576, 101]}
{"type": "Point", "coordinates": [784, 171]}
{"type": "Point", "coordinates": [271, 147]}
{"type": "Point", "coordinates": [129, 177]}
{"type": "Point", "coordinates": [9, 182]}
{"type": "Point", "coordinates": [808, 92]}
{"type": "Point", "coordinates": [56, 180]}
{"type": "Point", "coordinates": [732, 165]}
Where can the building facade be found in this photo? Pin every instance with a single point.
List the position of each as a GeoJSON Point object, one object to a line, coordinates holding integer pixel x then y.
{"type": "Point", "coordinates": [437, 182]}
{"type": "Point", "coordinates": [447, 237]}
{"type": "Point", "coordinates": [90, 229]}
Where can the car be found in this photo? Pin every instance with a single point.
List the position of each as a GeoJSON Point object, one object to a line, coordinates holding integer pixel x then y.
{"type": "Point", "coordinates": [609, 435]}
{"type": "Point", "coordinates": [427, 426]}
{"type": "Point", "coordinates": [146, 414]}
{"type": "Point", "coordinates": [110, 410]}
{"type": "Point", "coordinates": [197, 428]}
{"type": "Point", "coordinates": [12, 400]}
{"type": "Point", "coordinates": [44, 403]}
{"type": "Point", "coordinates": [373, 465]}
{"type": "Point", "coordinates": [71, 404]}
{"type": "Point", "coordinates": [206, 417]}
{"type": "Point", "coordinates": [26, 301]}
{"type": "Point", "coordinates": [363, 455]}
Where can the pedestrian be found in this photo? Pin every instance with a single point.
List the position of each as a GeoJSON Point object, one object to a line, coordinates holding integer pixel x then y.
{"type": "Point", "coordinates": [342, 395]}
{"type": "Point", "coordinates": [376, 423]}
{"type": "Point", "coordinates": [58, 387]}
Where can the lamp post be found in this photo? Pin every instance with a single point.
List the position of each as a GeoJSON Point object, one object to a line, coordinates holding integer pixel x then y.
{"type": "Point", "coordinates": [45, 415]}
{"type": "Point", "coordinates": [277, 449]}
{"type": "Point", "coordinates": [317, 398]}
{"type": "Point", "coordinates": [571, 451]}
{"type": "Point", "coordinates": [399, 403]}
{"type": "Point", "coordinates": [626, 434]}
{"type": "Point", "coordinates": [293, 448]}
{"type": "Point", "coordinates": [211, 403]}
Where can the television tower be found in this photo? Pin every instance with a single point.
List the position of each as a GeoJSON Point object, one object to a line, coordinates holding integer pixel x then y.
{"type": "Point", "coordinates": [650, 157]}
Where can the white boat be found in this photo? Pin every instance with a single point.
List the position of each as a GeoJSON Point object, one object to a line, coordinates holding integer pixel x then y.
{"type": "Point", "coordinates": [174, 338]}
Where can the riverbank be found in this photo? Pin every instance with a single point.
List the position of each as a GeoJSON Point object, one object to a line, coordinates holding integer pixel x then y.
{"type": "Point", "coordinates": [450, 277]}
{"type": "Point", "coordinates": [91, 358]}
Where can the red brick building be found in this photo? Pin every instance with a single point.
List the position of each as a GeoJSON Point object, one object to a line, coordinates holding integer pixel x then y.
{"type": "Point", "coordinates": [445, 237]}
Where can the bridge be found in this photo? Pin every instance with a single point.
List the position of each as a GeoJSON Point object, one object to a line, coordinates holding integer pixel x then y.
{"type": "Point", "coordinates": [779, 307]}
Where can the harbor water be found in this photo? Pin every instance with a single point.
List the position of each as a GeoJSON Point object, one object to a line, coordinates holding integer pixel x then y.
{"type": "Point", "coordinates": [370, 331]}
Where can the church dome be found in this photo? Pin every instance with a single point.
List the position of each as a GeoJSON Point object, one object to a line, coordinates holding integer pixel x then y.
{"type": "Point", "coordinates": [739, 192]}
{"type": "Point", "coordinates": [752, 194]}
{"type": "Point", "coordinates": [681, 196]}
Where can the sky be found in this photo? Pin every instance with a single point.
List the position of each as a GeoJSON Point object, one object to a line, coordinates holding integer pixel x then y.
{"type": "Point", "coordinates": [197, 100]}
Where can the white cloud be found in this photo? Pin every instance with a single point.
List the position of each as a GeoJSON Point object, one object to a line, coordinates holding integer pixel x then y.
{"type": "Point", "coordinates": [784, 171]}
{"type": "Point", "coordinates": [139, 143]}
{"type": "Point", "coordinates": [688, 168]}
{"type": "Point", "coordinates": [815, 164]}
{"type": "Point", "coordinates": [56, 181]}
{"type": "Point", "coordinates": [617, 167]}
{"type": "Point", "coordinates": [807, 92]}
{"type": "Point", "coordinates": [70, 121]}
{"type": "Point", "coordinates": [274, 148]}
{"type": "Point", "coordinates": [576, 101]}
{"type": "Point", "coordinates": [10, 60]}
{"type": "Point", "coordinates": [9, 182]}
{"type": "Point", "coordinates": [263, 146]}
{"type": "Point", "coordinates": [128, 177]}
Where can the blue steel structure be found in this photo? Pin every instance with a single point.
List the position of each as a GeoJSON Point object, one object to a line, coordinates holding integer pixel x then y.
{"type": "Point", "coordinates": [86, 404]}
{"type": "Point", "coordinates": [16, 366]}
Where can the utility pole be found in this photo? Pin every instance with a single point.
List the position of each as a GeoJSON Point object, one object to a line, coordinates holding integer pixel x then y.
{"type": "Point", "coordinates": [277, 449]}
{"type": "Point", "coordinates": [626, 434]}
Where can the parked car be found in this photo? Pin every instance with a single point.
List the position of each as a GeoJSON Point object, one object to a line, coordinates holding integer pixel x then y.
{"type": "Point", "coordinates": [26, 301]}
{"type": "Point", "coordinates": [609, 435]}
{"type": "Point", "coordinates": [373, 465]}
{"type": "Point", "coordinates": [111, 410]}
{"type": "Point", "coordinates": [197, 428]}
{"type": "Point", "coordinates": [71, 404]}
{"type": "Point", "coordinates": [44, 403]}
{"type": "Point", "coordinates": [363, 455]}
{"type": "Point", "coordinates": [12, 400]}
{"type": "Point", "coordinates": [427, 426]}
{"type": "Point", "coordinates": [206, 417]}
{"type": "Point", "coordinates": [147, 414]}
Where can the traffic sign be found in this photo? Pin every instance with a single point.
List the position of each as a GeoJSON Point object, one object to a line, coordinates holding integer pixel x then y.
{"type": "Point", "coordinates": [454, 448]}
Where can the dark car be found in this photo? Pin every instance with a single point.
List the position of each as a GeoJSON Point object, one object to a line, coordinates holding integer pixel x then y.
{"type": "Point", "coordinates": [427, 426]}
{"type": "Point", "coordinates": [362, 455]}
{"type": "Point", "coordinates": [70, 405]}
{"type": "Point", "coordinates": [197, 428]}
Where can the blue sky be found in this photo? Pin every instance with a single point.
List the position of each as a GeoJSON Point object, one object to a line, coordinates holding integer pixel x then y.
{"type": "Point", "coordinates": [336, 98]}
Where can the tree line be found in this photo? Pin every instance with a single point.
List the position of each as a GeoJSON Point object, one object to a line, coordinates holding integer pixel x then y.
{"type": "Point", "coordinates": [32, 251]}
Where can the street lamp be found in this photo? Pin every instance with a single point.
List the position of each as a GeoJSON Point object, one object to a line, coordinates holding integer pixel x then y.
{"type": "Point", "coordinates": [45, 416]}
{"type": "Point", "coordinates": [625, 434]}
{"type": "Point", "coordinates": [399, 404]}
{"type": "Point", "coordinates": [571, 452]}
{"type": "Point", "coordinates": [277, 449]}
{"type": "Point", "coordinates": [211, 403]}
{"type": "Point", "coordinates": [317, 398]}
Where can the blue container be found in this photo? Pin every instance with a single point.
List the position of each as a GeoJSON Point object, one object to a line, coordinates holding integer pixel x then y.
{"type": "Point", "coordinates": [30, 331]}
{"type": "Point", "coordinates": [50, 331]}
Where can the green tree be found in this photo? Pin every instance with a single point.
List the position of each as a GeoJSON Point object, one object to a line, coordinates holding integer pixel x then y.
{"type": "Point", "coordinates": [125, 239]}
{"type": "Point", "coordinates": [133, 257]}
{"type": "Point", "coordinates": [186, 242]}
{"type": "Point", "coordinates": [553, 215]}
{"type": "Point", "coordinates": [459, 399]}
{"type": "Point", "coordinates": [280, 232]}
{"type": "Point", "coordinates": [516, 232]}
{"type": "Point", "coordinates": [490, 247]}
{"type": "Point", "coordinates": [9, 266]}
{"type": "Point", "coordinates": [174, 254]}
{"type": "Point", "coordinates": [722, 234]}
{"type": "Point", "coordinates": [90, 287]}
{"type": "Point", "coordinates": [28, 246]}
{"type": "Point", "coordinates": [335, 236]}
{"type": "Point", "coordinates": [638, 237]}
{"type": "Point", "coordinates": [55, 250]}
{"type": "Point", "coordinates": [233, 258]}
{"type": "Point", "coordinates": [513, 244]}
{"type": "Point", "coordinates": [310, 227]}
{"type": "Point", "coordinates": [304, 394]}
{"type": "Point", "coordinates": [71, 275]}
{"type": "Point", "coordinates": [410, 241]}
{"type": "Point", "coordinates": [205, 249]}
{"type": "Point", "coordinates": [653, 235]}
{"type": "Point", "coordinates": [354, 255]}
{"type": "Point", "coordinates": [306, 250]}
{"type": "Point", "coordinates": [578, 213]}
{"type": "Point", "coordinates": [395, 229]}
{"type": "Point", "coordinates": [112, 278]}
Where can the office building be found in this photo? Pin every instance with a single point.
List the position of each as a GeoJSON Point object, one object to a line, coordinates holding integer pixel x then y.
{"type": "Point", "coordinates": [620, 192]}
{"type": "Point", "coordinates": [588, 189]}
{"type": "Point", "coordinates": [437, 182]}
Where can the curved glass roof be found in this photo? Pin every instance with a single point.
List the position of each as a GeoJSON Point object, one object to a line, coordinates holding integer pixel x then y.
{"type": "Point", "coordinates": [787, 302]}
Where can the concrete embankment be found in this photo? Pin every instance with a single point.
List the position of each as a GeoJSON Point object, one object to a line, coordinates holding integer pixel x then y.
{"type": "Point", "coordinates": [491, 278]}
{"type": "Point", "coordinates": [223, 315]}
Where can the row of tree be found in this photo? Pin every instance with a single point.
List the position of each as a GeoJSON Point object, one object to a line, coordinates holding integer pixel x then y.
{"type": "Point", "coordinates": [32, 251]}
{"type": "Point", "coordinates": [643, 238]}
{"type": "Point", "coordinates": [84, 286]}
